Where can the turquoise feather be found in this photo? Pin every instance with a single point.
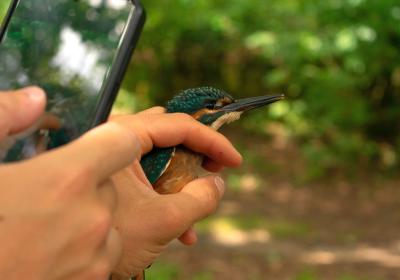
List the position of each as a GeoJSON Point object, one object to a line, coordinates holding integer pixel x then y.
{"type": "Point", "coordinates": [188, 101]}
{"type": "Point", "coordinates": [155, 162]}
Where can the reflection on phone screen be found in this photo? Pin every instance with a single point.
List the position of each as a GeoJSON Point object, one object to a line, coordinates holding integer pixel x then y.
{"type": "Point", "coordinates": [67, 48]}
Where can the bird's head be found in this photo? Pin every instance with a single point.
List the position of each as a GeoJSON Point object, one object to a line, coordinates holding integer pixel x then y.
{"type": "Point", "coordinates": [214, 107]}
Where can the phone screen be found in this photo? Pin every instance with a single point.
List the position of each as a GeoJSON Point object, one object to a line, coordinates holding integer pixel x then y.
{"type": "Point", "coordinates": [67, 47]}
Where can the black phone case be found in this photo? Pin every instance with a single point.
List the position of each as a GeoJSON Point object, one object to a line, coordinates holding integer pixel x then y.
{"type": "Point", "coordinates": [113, 81]}
{"type": "Point", "coordinates": [122, 60]}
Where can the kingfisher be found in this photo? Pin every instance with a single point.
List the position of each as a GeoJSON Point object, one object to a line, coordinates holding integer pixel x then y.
{"type": "Point", "coordinates": [170, 169]}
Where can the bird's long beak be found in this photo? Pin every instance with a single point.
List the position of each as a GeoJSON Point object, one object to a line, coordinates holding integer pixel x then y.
{"type": "Point", "coordinates": [247, 104]}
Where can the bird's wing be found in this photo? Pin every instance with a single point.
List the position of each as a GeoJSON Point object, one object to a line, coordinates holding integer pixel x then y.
{"type": "Point", "coordinates": [5, 146]}
{"type": "Point", "coordinates": [156, 162]}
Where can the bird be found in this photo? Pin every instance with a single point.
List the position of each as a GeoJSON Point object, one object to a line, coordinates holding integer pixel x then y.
{"type": "Point", "coordinates": [170, 169]}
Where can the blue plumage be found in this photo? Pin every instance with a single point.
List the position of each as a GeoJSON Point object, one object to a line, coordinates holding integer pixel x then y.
{"type": "Point", "coordinates": [155, 162]}
{"type": "Point", "coordinates": [192, 100]}
{"type": "Point", "coordinates": [210, 106]}
{"type": "Point", "coordinates": [188, 101]}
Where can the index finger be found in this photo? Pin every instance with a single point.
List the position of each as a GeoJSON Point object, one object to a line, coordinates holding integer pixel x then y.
{"type": "Point", "coordinates": [167, 130]}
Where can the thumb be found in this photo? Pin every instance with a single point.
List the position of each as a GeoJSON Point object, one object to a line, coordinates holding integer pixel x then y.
{"type": "Point", "coordinates": [198, 199]}
{"type": "Point", "coordinates": [20, 109]}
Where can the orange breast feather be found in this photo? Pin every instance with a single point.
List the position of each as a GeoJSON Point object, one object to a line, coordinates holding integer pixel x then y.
{"type": "Point", "coordinates": [182, 169]}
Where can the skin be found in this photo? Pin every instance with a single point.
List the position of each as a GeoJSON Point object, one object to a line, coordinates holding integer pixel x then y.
{"type": "Point", "coordinates": [57, 209]}
{"type": "Point", "coordinates": [148, 221]}
{"type": "Point", "coordinates": [75, 228]}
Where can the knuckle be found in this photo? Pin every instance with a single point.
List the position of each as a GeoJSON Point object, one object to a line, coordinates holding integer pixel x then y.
{"type": "Point", "coordinates": [97, 224]}
{"type": "Point", "coordinates": [81, 173]}
{"type": "Point", "coordinates": [101, 222]}
{"type": "Point", "coordinates": [158, 108]}
{"type": "Point", "coordinates": [184, 117]}
{"type": "Point", "coordinates": [124, 138]}
{"type": "Point", "coordinates": [75, 179]}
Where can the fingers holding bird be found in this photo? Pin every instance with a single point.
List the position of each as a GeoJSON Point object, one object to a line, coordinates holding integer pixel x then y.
{"type": "Point", "coordinates": [173, 169]}
{"type": "Point", "coordinates": [189, 237]}
{"type": "Point", "coordinates": [167, 130]}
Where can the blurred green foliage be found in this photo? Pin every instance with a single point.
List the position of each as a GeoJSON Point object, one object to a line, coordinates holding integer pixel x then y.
{"type": "Point", "coordinates": [279, 229]}
{"type": "Point", "coordinates": [3, 8]}
{"type": "Point", "coordinates": [336, 60]}
{"type": "Point", "coordinates": [311, 275]}
{"type": "Point", "coordinates": [163, 271]}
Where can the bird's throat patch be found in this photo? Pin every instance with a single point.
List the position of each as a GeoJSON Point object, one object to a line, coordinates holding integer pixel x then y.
{"type": "Point", "coordinates": [226, 118]}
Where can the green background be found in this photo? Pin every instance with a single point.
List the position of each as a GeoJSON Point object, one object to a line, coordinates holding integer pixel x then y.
{"type": "Point", "coordinates": [321, 168]}
{"type": "Point", "coordinates": [336, 60]}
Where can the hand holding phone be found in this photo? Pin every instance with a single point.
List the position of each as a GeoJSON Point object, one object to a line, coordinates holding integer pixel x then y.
{"type": "Point", "coordinates": [61, 227]}
{"type": "Point", "coordinates": [77, 51]}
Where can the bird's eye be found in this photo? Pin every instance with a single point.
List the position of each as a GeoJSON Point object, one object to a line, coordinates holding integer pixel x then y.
{"type": "Point", "coordinates": [210, 106]}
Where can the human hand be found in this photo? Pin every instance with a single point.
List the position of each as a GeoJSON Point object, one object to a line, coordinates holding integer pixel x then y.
{"type": "Point", "coordinates": [20, 109]}
{"type": "Point", "coordinates": [22, 114]}
{"type": "Point", "coordinates": [147, 221]}
{"type": "Point", "coordinates": [56, 209]}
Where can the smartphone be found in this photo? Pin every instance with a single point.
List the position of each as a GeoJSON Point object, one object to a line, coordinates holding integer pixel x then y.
{"type": "Point", "coordinates": [77, 51]}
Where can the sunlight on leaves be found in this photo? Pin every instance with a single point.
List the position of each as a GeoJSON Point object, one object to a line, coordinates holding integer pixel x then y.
{"type": "Point", "coordinates": [261, 39]}
{"type": "Point", "coordinates": [226, 232]}
{"type": "Point", "coordinates": [126, 102]}
{"type": "Point", "coordinates": [355, 2]}
{"type": "Point", "coordinates": [366, 33]}
{"type": "Point", "coordinates": [239, 230]}
{"type": "Point", "coordinates": [279, 109]}
{"type": "Point", "coordinates": [264, 40]}
{"type": "Point", "coordinates": [3, 8]}
{"type": "Point", "coordinates": [243, 183]}
{"type": "Point", "coordinates": [396, 12]}
{"type": "Point", "coordinates": [310, 42]}
{"type": "Point", "coordinates": [345, 40]}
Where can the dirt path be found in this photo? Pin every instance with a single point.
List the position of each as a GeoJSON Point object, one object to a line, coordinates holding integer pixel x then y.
{"type": "Point", "coordinates": [271, 228]}
{"type": "Point", "coordinates": [298, 234]}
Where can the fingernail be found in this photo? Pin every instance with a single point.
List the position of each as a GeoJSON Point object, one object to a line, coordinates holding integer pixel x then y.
{"type": "Point", "coordinates": [240, 157]}
{"type": "Point", "coordinates": [220, 185]}
{"type": "Point", "coordinates": [35, 94]}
